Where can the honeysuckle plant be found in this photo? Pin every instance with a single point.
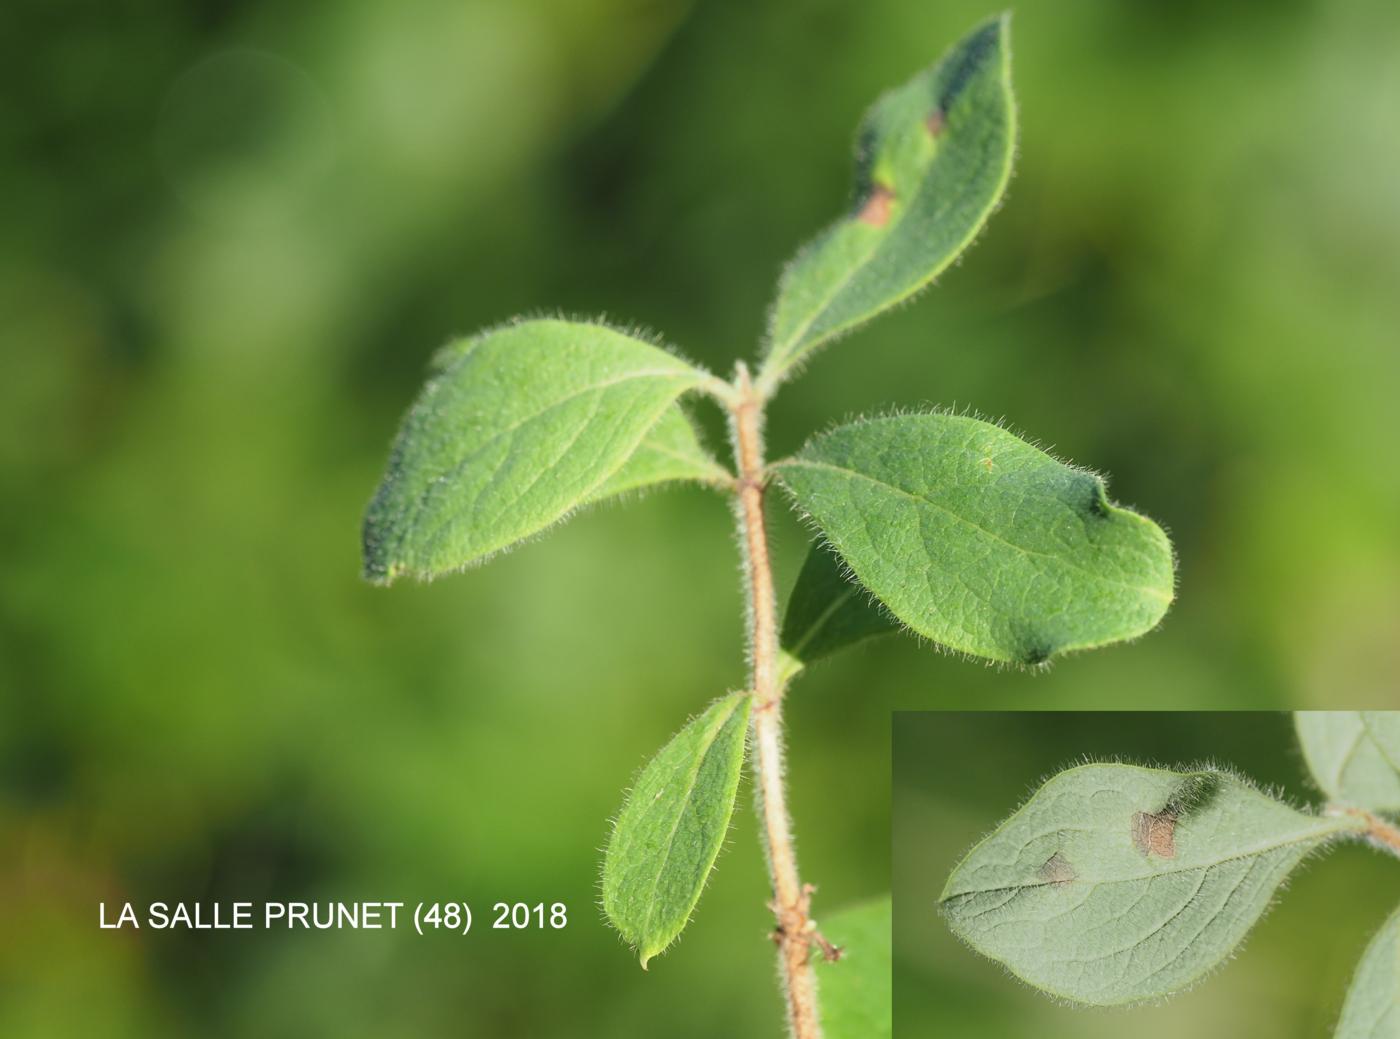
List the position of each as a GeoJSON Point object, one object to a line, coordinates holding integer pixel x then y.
{"type": "Point", "coordinates": [1116, 884]}
{"type": "Point", "coordinates": [942, 524]}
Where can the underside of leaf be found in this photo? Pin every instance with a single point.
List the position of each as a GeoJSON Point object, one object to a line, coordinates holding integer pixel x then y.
{"type": "Point", "coordinates": [1353, 755]}
{"type": "Point", "coordinates": [1372, 1008]}
{"type": "Point", "coordinates": [1116, 884]}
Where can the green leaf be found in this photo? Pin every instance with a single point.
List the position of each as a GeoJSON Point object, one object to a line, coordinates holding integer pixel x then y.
{"type": "Point", "coordinates": [670, 452]}
{"type": "Point", "coordinates": [1354, 755]}
{"type": "Point", "coordinates": [1115, 884]}
{"type": "Point", "coordinates": [1372, 1008]}
{"type": "Point", "coordinates": [933, 158]}
{"type": "Point", "coordinates": [521, 425]}
{"type": "Point", "coordinates": [855, 990]}
{"type": "Point", "coordinates": [979, 541]}
{"type": "Point", "coordinates": [827, 611]}
{"type": "Point", "coordinates": [669, 832]}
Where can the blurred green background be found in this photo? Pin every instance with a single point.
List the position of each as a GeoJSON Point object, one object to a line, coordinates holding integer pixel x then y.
{"type": "Point", "coordinates": [233, 235]}
{"type": "Point", "coordinates": [958, 775]}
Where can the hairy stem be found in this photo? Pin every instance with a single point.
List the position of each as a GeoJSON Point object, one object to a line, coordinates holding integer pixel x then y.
{"type": "Point", "coordinates": [1379, 832]}
{"type": "Point", "coordinates": [795, 933]}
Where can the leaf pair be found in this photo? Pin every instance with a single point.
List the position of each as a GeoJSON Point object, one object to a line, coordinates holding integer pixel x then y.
{"type": "Point", "coordinates": [967, 535]}
{"type": "Point", "coordinates": [520, 426]}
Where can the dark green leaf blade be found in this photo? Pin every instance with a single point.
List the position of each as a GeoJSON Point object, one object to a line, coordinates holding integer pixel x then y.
{"type": "Point", "coordinates": [669, 453]}
{"type": "Point", "coordinates": [979, 541]}
{"type": "Point", "coordinates": [520, 425]}
{"type": "Point", "coordinates": [1115, 884]}
{"type": "Point", "coordinates": [855, 990]}
{"type": "Point", "coordinates": [669, 833]}
{"type": "Point", "coordinates": [827, 611]}
{"type": "Point", "coordinates": [934, 157]}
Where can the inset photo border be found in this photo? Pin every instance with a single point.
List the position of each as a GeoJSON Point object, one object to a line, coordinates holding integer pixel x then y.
{"type": "Point", "coordinates": [1084, 875]}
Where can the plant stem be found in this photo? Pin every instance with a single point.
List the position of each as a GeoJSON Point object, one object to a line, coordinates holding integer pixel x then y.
{"type": "Point", "coordinates": [791, 898]}
{"type": "Point", "coordinates": [1379, 832]}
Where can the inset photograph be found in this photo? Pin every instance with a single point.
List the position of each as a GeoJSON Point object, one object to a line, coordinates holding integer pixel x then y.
{"type": "Point", "coordinates": [1093, 874]}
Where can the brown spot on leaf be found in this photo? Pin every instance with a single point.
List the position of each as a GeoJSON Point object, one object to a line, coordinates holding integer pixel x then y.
{"type": "Point", "coordinates": [1056, 870]}
{"type": "Point", "coordinates": [988, 464]}
{"type": "Point", "coordinates": [876, 211]}
{"type": "Point", "coordinates": [1155, 833]}
{"type": "Point", "coordinates": [936, 122]}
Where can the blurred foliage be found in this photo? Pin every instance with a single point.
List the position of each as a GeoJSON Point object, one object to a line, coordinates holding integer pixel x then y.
{"type": "Point", "coordinates": [957, 775]}
{"type": "Point", "coordinates": [235, 233]}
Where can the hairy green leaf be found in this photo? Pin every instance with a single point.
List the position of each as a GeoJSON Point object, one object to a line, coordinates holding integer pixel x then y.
{"type": "Point", "coordinates": [855, 990]}
{"type": "Point", "coordinates": [668, 834]}
{"type": "Point", "coordinates": [933, 158]}
{"type": "Point", "coordinates": [979, 541]}
{"type": "Point", "coordinates": [521, 425]}
{"type": "Point", "coordinates": [1372, 1008]}
{"type": "Point", "coordinates": [1354, 755]}
{"type": "Point", "coordinates": [670, 452]}
{"type": "Point", "coordinates": [827, 611]}
{"type": "Point", "coordinates": [1114, 883]}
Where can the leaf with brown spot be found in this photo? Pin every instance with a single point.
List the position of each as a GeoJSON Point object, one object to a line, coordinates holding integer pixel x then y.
{"type": "Point", "coordinates": [932, 160]}
{"type": "Point", "coordinates": [1115, 884]}
{"type": "Point", "coordinates": [1056, 870]}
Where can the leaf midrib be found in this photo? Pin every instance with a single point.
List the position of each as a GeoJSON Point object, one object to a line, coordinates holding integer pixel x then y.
{"type": "Point", "coordinates": [461, 464]}
{"type": "Point", "coordinates": [1145, 589]}
{"type": "Point", "coordinates": [1328, 829]}
{"type": "Point", "coordinates": [789, 346]}
{"type": "Point", "coordinates": [1380, 747]}
{"type": "Point", "coordinates": [821, 620]}
{"type": "Point", "coordinates": [692, 779]}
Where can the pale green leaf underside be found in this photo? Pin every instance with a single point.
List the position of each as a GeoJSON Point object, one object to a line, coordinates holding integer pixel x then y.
{"type": "Point", "coordinates": [1372, 1007]}
{"type": "Point", "coordinates": [1354, 755]}
{"type": "Point", "coordinates": [979, 541]}
{"type": "Point", "coordinates": [855, 990]}
{"type": "Point", "coordinates": [671, 451]}
{"type": "Point", "coordinates": [1115, 883]}
{"type": "Point", "coordinates": [521, 425]}
{"type": "Point", "coordinates": [667, 836]}
{"type": "Point", "coordinates": [933, 160]}
{"type": "Point", "coordinates": [827, 611]}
